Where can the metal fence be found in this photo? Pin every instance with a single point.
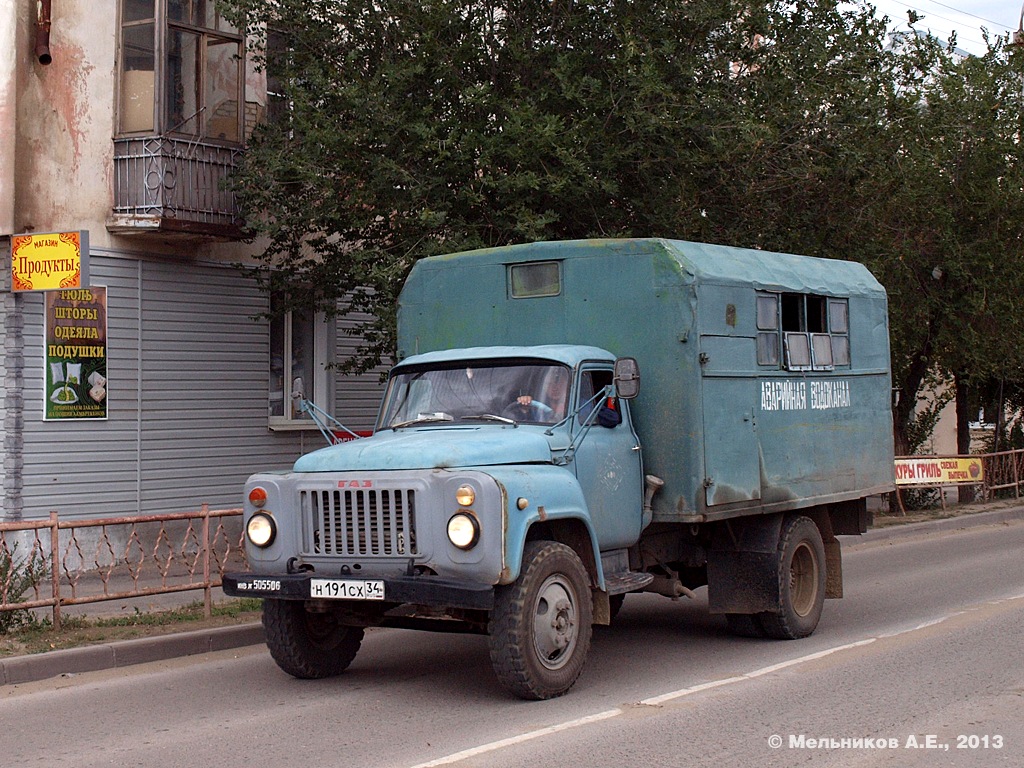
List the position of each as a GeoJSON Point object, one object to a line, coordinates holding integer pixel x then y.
{"type": "Point", "coordinates": [56, 563]}
{"type": "Point", "coordinates": [1004, 473]}
{"type": "Point", "coordinates": [1002, 476]}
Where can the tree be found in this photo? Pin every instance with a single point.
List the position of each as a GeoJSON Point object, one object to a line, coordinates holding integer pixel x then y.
{"type": "Point", "coordinates": [416, 128]}
{"type": "Point", "coordinates": [953, 224]}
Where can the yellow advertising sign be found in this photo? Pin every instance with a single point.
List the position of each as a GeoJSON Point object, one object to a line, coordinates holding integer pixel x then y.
{"type": "Point", "coordinates": [938, 470]}
{"type": "Point", "coordinates": [50, 262]}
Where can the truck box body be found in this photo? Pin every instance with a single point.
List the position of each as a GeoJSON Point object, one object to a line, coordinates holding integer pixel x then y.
{"type": "Point", "coordinates": [520, 484]}
{"type": "Point", "coordinates": [733, 430]}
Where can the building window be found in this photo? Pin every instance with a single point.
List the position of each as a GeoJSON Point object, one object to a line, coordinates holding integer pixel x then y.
{"type": "Point", "coordinates": [279, 107]}
{"type": "Point", "coordinates": [814, 331]}
{"type": "Point", "coordinates": [301, 349]}
{"type": "Point", "coordinates": [181, 71]}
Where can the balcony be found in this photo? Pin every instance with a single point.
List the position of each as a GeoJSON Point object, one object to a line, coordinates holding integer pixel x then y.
{"type": "Point", "coordinates": [168, 185]}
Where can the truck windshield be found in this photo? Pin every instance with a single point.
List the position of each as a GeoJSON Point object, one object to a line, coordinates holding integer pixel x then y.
{"type": "Point", "coordinates": [534, 393]}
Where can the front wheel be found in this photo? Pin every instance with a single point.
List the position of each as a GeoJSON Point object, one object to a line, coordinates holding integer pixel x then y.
{"type": "Point", "coordinates": [540, 626]}
{"type": "Point", "coordinates": [800, 568]}
{"type": "Point", "coordinates": [307, 644]}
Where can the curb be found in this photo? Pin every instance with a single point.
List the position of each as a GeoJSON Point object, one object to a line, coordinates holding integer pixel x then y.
{"type": "Point", "coordinates": [970, 520]}
{"type": "Point", "coordinates": [124, 653]}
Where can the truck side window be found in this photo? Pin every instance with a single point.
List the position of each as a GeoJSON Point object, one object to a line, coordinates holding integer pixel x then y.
{"type": "Point", "coordinates": [768, 329]}
{"type": "Point", "coordinates": [814, 331]}
{"type": "Point", "coordinates": [839, 328]}
{"type": "Point", "coordinates": [809, 343]}
{"type": "Point", "coordinates": [536, 279]}
{"type": "Point", "coordinates": [592, 382]}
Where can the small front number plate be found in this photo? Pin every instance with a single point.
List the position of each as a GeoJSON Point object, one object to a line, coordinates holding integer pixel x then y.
{"type": "Point", "coordinates": [343, 589]}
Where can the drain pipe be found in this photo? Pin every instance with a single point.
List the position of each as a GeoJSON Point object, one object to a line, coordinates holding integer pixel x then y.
{"type": "Point", "coordinates": [10, 55]}
{"type": "Point", "coordinates": [43, 8]}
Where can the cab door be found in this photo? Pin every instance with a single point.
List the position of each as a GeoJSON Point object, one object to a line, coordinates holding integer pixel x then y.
{"type": "Point", "coordinates": [608, 467]}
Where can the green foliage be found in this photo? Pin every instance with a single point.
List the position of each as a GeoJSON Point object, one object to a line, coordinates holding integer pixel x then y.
{"type": "Point", "coordinates": [17, 578]}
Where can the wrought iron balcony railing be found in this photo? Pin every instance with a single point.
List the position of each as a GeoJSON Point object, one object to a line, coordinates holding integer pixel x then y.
{"type": "Point", "coordinates": [165, 184]}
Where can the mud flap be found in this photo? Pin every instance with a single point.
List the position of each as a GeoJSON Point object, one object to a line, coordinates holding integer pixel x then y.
{"type": "Point", "coordinates": [742, 566]}
{"type": "Point", "coordinates": [833, 568]}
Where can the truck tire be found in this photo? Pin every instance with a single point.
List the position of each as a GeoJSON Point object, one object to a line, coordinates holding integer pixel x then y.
{"type": "Point", "coordinates": [800, 567]}
{"type": "Point", "coordinates": [308, 645]}
{"type": "Point", "coordinates": [540, 626]}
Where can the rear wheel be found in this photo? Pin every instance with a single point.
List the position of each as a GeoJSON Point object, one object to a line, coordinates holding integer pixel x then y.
{"type": "Point", "coordinates": [540, 626]}
{"type": "Point", "coordinates": [800, 568]}
{"type": "Point", "coordinates": [307, 644]}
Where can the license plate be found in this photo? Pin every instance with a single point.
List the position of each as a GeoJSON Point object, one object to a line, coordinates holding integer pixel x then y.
{"type": "Point", "coordinates": [346, 589]}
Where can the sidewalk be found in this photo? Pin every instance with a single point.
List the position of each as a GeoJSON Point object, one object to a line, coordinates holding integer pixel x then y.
{"type": "Point", "coordinates": [24, 669]}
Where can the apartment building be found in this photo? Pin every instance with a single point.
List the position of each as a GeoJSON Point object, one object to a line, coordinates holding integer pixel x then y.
{"type": "Point", "coordinates": [163, 385]}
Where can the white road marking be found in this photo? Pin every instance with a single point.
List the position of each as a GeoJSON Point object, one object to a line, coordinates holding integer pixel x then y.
{"type": "Point", "coordinates": [528, 736]}
{"type": "Point", "coordinates": [655, 701]}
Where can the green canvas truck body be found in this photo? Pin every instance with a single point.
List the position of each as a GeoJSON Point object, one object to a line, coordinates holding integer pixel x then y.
{"type": "Point", "coordinates": [722, 415]}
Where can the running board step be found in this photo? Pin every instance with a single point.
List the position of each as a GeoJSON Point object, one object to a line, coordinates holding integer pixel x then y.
{"type": "Point", "coordinates": [627, 581]}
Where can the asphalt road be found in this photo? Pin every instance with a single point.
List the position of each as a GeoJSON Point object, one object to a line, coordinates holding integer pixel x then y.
{"type": "Point", "coordinates": [927, 647]}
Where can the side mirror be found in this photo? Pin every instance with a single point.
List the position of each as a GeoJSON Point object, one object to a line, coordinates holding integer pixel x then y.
{"type": "Point", "coordinates": [626, 378]}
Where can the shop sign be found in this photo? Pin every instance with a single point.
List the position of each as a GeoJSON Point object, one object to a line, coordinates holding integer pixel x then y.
{"type": "Point", "coordinates": [76, 354]}
{"type": "Point", "coordinates": [50, 262]}
{"type": "Point", "coordinates": [938, 470]}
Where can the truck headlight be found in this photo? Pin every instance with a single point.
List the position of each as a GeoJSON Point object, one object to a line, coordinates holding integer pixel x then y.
{"type": "Point", "coordinates": [463, 530]}
{"type": "Point", "coordinates": [261, 530]}
{"type": "Point", "coordinates": [465, 495]}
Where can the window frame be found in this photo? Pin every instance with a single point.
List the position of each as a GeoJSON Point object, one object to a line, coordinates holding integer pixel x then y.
{"type": "Point", "coordinates": [323, 383]}
{"type": "Point", "coordinates": [526, 265]}
{"type": "Point", "coordinates": [163, 28]}
{"type": "Point", "coordinates": [793, 332]}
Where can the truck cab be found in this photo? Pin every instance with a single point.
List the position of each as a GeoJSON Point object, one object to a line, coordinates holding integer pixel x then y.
{"type": "Point", "coordinates": [476, 453]}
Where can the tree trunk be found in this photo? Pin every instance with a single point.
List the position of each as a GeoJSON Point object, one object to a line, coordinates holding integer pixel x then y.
{"type": "Point", "coordinates": [963, 429]}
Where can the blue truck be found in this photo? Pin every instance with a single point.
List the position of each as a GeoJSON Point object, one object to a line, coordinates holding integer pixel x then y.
{"type": "Point", "coordinates": [571, 422]}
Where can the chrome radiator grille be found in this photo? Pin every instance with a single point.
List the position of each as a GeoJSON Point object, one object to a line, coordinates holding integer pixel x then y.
{"type": "Point", "coordinates": [361, 522]}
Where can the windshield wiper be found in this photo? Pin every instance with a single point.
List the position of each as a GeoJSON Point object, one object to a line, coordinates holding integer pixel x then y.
{"type": "Point", "coordinates": [424, 418]}
{"type": "Point", "coordinates": [490, 417]}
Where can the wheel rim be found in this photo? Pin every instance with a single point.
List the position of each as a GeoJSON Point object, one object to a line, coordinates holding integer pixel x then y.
{"type": "Point", "coordinates": [803, 580]}
{"type": "Point", "coordinates": [555, 622]}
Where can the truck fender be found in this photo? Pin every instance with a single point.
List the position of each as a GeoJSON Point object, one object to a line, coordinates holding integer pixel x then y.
{"type": "Point", "coordinates": [545, 502]}
{"type": "Point", "coordinates": [568, 526]}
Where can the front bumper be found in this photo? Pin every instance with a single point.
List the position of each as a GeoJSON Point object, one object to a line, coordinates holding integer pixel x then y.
{"type": "Point", "coordinates": [417, 590]}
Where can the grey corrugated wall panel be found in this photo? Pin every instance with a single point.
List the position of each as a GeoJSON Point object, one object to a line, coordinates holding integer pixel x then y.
{"type": "Point", "coordinates": [203, 386]}
{"type": "Point", "coordinates": [85, 467]}
{"type": "Point", "coordinates": [357, 396]}
{"type": "Point", "coordinates": [201, 425]}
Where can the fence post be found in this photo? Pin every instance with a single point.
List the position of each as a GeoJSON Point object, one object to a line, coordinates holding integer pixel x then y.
{"type": "Point", "coordinates": [207, 592]}
{"type": "Point", "coordinates": [1016, 482]}
{"type": "Point", "coordinates": [55, 567]}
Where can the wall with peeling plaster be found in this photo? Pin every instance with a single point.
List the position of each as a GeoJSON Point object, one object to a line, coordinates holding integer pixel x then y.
{"type": "Point", "coordinates": [9, 14]}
